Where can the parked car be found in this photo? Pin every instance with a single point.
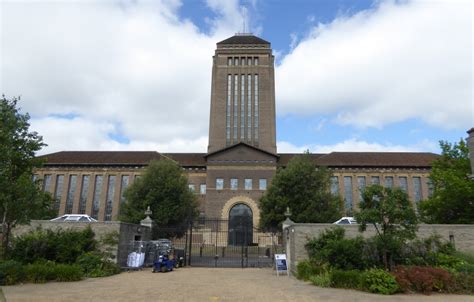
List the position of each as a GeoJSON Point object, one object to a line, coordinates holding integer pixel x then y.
{"type": "Point", "coordinates": [346, 220]}
{"type": "Point", "coordinates": [75, 217]}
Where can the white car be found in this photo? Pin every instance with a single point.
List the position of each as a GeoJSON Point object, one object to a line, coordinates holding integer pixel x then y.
{"type": "Point", "coordinates": [346, 220]}
{"type": "Point", "coordinates": [75, 217]}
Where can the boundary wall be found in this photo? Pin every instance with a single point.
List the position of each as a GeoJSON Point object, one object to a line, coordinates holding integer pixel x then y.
{"type": "Point", "coordinates": [296, 235]}
{"type": "Point", "coordinates": [128, 232]}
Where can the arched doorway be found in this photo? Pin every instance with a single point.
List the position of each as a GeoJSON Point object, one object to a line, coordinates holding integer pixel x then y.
{"type": "Point", "coordinates": [240, 225]}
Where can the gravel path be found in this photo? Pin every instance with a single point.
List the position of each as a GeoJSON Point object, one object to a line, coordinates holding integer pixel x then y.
{"type": "Point", "coordinates": [201, 284]}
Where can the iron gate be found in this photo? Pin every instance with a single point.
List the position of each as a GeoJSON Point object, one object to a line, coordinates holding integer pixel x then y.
{"type": "Point", "coordinates": [228, 243]}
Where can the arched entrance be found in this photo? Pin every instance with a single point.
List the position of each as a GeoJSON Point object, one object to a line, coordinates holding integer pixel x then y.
{"type": "Point", "coordinates": [240, 225]}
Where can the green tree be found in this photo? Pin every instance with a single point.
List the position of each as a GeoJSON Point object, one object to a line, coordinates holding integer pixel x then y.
{"type": "Point", "coordinates": [164, 188]}
{"type": "Point", "coordinates": [305, 189]}
{"type": "Point", "coordinates": [391, 214]}
{"type": "Point", "coordinates": [453, 192]}
{"type": "Point", "coordinates": [21, 198]}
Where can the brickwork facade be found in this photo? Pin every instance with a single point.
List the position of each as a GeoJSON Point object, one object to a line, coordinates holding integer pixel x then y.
{"type": "Point", "coordinates": [242, 157]}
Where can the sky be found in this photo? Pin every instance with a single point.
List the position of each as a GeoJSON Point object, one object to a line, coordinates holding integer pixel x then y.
{"type": "Point", "coordinates": [359, 75]}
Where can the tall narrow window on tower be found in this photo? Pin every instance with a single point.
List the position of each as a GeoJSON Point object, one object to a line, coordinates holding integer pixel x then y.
{"type": "Point", "coordinates": [255, 100]}
{"type": "Point", "coordinates": [249, 108]}
{"type": "Point", "coordinates": [242, 107]}
{"type": "Point", "coordinates": [228, 106]}
{"type": "Point", "coordinates": [236, 106]}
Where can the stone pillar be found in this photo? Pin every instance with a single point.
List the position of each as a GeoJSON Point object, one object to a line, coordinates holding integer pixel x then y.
{"type": "Point", "coordinates": [287, 239]}
{"type": "Point", "coordinates": [470, 145]}
{"type": "Point", "coordinates": [148, 222]}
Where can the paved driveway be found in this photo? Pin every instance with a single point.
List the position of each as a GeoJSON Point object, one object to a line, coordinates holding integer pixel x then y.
{"type": "Point", "coordinates": [200, 284]}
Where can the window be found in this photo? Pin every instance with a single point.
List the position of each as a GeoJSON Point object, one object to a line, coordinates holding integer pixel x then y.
{"type": "Point", "coordinates": [234, 183]}
{"type": "Point", "coordinates": [389, 181]}
{"type": "Point", "coordinates": [47, 183]}
{"type": "Point", "coordinates": [236, 105]}
{"type": "Point", "coordinates": [236, 61]}
{"type": "Point", "coordinates": [242, 107]}
{"type": "Point", "coordinates": [137, 177]}
{"type": "Point", "coordinates": [229, 61]}
{"type": "Point", "coordinates": [348, 192]}
{"type": "Point", "coordinates": [192, 188]}
{"type": "Point", "coordinates": [375, 180]}
{"type": "Point", "coordinates": [249, 61]}
{"type": "Point", "coordinates": [429, 183]}
{"type": "Point", "coordinates": [361, 185]}
{"type": "Point", "coordinates": [334, 185]}
{"type": "Point", "coordinates": [255, 100]}
{"type": "Point", "coordinates": [243, 61]}
{"type": "Point", "coordinates": [59, 191]}
{"type": "Point", "coordinates": [70, 193]}
{"type": "Point", "coordinates": [97, 191]}
{"type": "Point", "coordinates": [123, 186]}
{"type": "Point", "coordinates": [228, 107]}
{"type": "Point", "coordinates": [249, 108]}
{"type": "Point", "coordinates": [417, 188]}
{"type": "Point", "coordinates": [248, 184]}
{"type": "Point", "coordinates": [403, 183]}
{"type": "Point", "coordinates": [84, 192]}
{"type": "Point", "coordinates": [219, 183]}
{"type": "Point", "coordinates": [262, 184]}
{"type": "Point", "coordinates": [110, 198]}
{"type": "Point", "coordinates": [202, 188]}
{"type": "Point", "coordinates": [255, 60]}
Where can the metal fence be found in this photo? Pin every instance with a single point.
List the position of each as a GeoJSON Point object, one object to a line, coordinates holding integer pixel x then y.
{"type": "Point", "coordinates": [224, 243]}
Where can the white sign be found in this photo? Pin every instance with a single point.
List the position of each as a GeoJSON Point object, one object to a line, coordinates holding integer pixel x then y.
{"type": "Point", "coordinates": [280, 264]}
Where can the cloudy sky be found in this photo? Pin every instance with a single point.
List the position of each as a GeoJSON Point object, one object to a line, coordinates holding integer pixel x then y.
{"type": "Point", "coordinates": [355, 75]}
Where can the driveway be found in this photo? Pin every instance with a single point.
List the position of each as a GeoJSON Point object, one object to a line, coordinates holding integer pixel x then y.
{"type": "Point", "coordinates": [201, 284]}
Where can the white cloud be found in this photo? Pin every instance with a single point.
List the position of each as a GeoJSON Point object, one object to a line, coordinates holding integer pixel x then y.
{"type": "Point", "coordinates": [128, 67]}
{"type": "Point", "coordinates": [355, 145]}
{"type": "Point", "coordinates": [398, 61]}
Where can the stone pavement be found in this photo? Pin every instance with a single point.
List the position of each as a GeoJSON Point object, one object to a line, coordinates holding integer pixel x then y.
{"type": "Point", "coordinates": [202, 284]}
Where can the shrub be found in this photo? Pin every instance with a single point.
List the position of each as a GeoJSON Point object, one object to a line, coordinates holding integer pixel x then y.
{"type": "Point", "coordinates": [331, 247]}
{"type": "Point", "coordinates": [11, 272]}
{"type": "Point", "coordinates": [68, 272]}
{"type": "Point", "coordinates": [308, 268]}
{"type": "Point", "coordinates": [464, 283]}
{"type": "Point", "coordinates": [379, 281]}
{"type": "Point", "coordinates": [321, 280]}
{"type": "Point", "coordinates": [40, 272]}
{"type": "Point", "coordinates": [423, 279]}
{"type": "Point", "coordinates": [62, 246]}
{"type": "Point", "coordinates": [346, 279]}
{"type": "Point", "coordinates": [89, 262]}
{"type": "Point", "coordinates": [94, 265]}
{"type": "Point", "coordinates": [448, 262]}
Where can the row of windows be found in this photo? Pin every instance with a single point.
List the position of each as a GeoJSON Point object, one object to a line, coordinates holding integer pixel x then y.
{"type": "Point", "coordinates": [84, 192]}
{"type": "Point", "coordinates": [202, 188]}
{"type": "Point", "coordinates": [388, 183]}
{"type": "Point", "coordinates": [242, 61]}
{"type": "Point", "coordinates": [248, 184]}
{"type": "Point", "coordinates": [236, 92]}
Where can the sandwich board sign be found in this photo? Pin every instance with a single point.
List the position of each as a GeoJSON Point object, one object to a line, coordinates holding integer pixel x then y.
{"type": "Point", "coordinates": [280, 264]}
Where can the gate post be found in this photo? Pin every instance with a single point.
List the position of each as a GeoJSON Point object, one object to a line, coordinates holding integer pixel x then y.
{"type": "Point", "coordinates": [190, 241]}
